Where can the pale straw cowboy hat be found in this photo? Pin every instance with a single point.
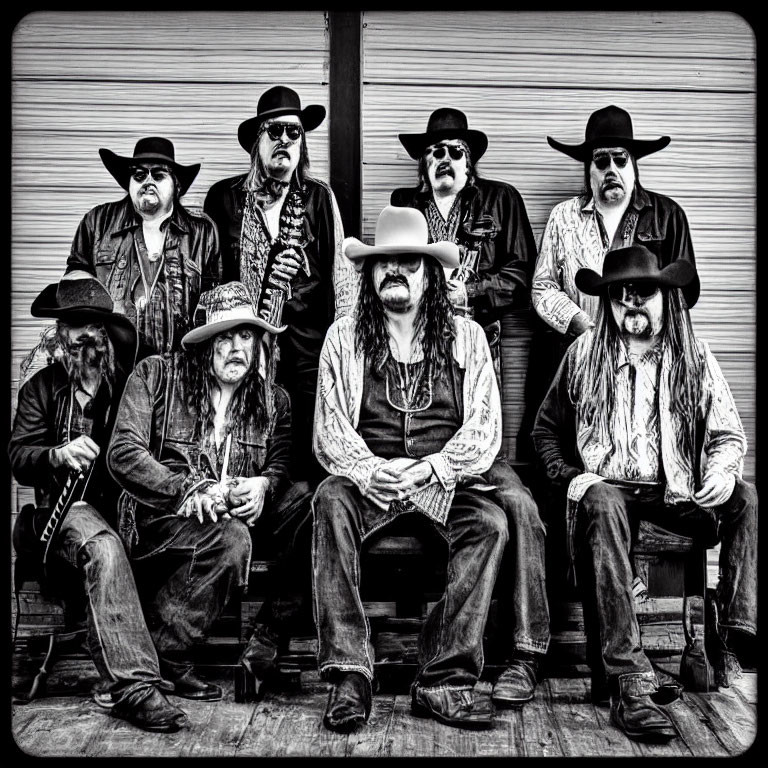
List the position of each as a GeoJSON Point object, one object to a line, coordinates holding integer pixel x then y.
{"type": "Point", "coordinates": [400, 232]}
{"type": "Point", "coordinates": [223, 307]}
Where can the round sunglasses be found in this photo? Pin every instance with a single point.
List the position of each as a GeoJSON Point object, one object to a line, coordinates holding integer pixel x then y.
{"type": "Point", "coordinates": [293, 131]}
{"type": "Point", "coordinates": [456, 153]}
{"type": "Point", "coordinates": [603, 160]}
{"type": "Point", "coordinates": [139, 174]}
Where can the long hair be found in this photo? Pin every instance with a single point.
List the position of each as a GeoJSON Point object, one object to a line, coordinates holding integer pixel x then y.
{"type": "Point", "coordinates": [252, 402]}
{"type": "Point", "coordinates": [434, 320]}
{"type": "Point", "coordinates": [258, 179]}
{"type": "Point", "coordinates": [592, 386]}
{"type": "Point", "coordinates": [424, 185]}
{"type": "Point", "coordinates": [74, 362]}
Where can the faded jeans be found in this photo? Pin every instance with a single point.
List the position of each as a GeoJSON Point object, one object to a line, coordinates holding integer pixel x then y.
{"type": "Point", "coordinates": [187, 571]}
{"type": "Point", "coordinates": [450, 643]}
{"type": "Point", "coordinates": [118, 640]}
{"type": "Point", "coordinates": [606, 517]}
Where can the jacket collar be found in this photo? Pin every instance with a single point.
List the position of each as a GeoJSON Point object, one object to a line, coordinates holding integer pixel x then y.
{"type": "Point", "coordinates": [128, 219]}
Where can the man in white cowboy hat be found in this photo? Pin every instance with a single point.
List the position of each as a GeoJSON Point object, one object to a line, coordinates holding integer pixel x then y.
{"type": "Point", "coordinates": [281, 235]}
{"type": "Point", "coordinates": [640, 423]}
{"type": "Point", "coordinates": [61, 429]}
{"type": "Point", "coordinates": [408, 419]}
{"type": "Point", "coordinates": [201, 448]}
{"type": "Point", "coordinates": [613, 211]}
{"type": "Point", "coordinates": [154, 255]}
{"type": "Point", "coordinates": [486, 218]}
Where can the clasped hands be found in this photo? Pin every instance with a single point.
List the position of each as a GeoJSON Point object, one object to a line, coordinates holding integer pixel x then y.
{"type": "Point", "coordinates": [242, 498]}
{"type": "Point", "coordinates": [396, 480]}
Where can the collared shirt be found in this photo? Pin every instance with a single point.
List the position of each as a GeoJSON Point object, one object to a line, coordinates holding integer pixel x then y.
{"type": "Point", "coordinates": [342, 451]}
{"type": "Point", "coordinates": [106, 245]}
{"type": "Point", "coordinates": [635, 422]}
{"type": "Point", "coordinates": [574, 238]}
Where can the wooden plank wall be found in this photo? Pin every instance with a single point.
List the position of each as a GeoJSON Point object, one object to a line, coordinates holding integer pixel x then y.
{"type": "Point", "coordinates": [85, 80]}
{"type": "Point", "coordinates": [520, 76]}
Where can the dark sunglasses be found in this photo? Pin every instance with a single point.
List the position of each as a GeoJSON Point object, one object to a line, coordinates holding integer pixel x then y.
{"type": "Point", "coordinates": [292, 130]}
{"type": "Point", "coordinates": [158, 174]}
{"type": "Point", "coordinates": [456, 153]}
{"type": "Point", "coordinates": [643, 290]}
{"type": "Point", "coordinates": [603, 160]}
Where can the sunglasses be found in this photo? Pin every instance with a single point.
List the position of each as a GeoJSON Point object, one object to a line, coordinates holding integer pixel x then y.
{"type": "Point", "coordinates": [158, 174]}
{"type": "Point", "coordinates": [603, 160]}
{"type": "Point", "coordinates": [643, 290]}
{"type": "Point", "coordinates": [292, 130]}
{"type": "Point", "coordinates": [456, 153]}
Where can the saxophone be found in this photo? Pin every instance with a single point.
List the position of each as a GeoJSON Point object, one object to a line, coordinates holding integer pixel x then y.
{"type": "Point", "coordinates": [291, 236]}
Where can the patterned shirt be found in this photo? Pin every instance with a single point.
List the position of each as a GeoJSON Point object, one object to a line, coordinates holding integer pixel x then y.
{"type": "Point", "coordinates": [342, 451]}
{"type": "Point", "coordinates": [635, 427]}
{"type": "Point", "coordinates": [574, 238]}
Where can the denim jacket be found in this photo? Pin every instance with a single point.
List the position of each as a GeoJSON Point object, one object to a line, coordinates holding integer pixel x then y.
{"type": "Point", "coordinates": [104, 246]}
{"type": "Point", "coordinates": [493, 214]}
{"type": "Point", "coordinates": [155, 457]}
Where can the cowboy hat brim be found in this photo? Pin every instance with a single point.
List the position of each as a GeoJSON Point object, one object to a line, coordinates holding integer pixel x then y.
{"type": "Point", "coordinates": [416, 143]}
{"type": "Point", "coordinates": [356, 251]}
{"type": "Point", "coordinates": [118, 166]}
{"type": "Point", "coordinates": [209, 330]}
{"type": "Point", "coordinates": [311, 117]}
{"type": "Point", "coordinates": [120, 329]}
{"type": "Point", "coordinates": [637, 147]}
{"type": "Point", "coordinates": [678, 274]}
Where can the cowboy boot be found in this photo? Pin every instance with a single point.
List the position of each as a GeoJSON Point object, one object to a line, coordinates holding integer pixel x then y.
{"type": "Point", "coordinates": [349, 702]}
{"type": "Point", "coordinates": [725, 664]}
{"type": "Point", "coordinates": [457, 707]}
{"type": "Point", "coordinates": [635, 713]}
{"type": "Point", "coordinates": [517, 683]}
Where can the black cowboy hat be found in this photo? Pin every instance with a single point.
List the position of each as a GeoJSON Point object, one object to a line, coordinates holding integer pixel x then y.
{"type": "Point", "coordinates": [445, 123]}
{"type": "Point", "coordinates": [278, 100]}
{"type": "Point", "coordinates": [609, 127]}
{"type": "Point", "coordinates": [79, 299]}
{"type": "Point", "coordinates": [636, 264]}
{"type": "Point", "coordinates": [151, 149]}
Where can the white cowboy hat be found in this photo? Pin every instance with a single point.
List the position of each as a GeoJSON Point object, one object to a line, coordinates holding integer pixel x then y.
{"type": "Point", "coordinates": [399, 232]}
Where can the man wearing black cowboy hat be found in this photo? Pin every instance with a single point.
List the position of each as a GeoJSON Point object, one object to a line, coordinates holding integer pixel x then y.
{"type": "Point", "coordinates": [281, 236]}
{"type": "Point", "coordinates": [486, 218]}
{"type": "Point", "coordinates": [63, 421]}
{"type": "Point", "coordinates": [154, 255]}
{"type": "Point", "coordinates": [640, 423]}
{"type": "Point", "coordinates": [613, 211]}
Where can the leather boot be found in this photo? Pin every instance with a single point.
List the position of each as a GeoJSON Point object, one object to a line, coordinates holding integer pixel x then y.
{"type": "Point", "coordinates": [259, 658]}
{"type": "Point", "coordinates": [517, 683]}
{"type": "Point", "coordinates": [186, 683]}
{"type": "Point", "coordinates": [149, 710]}
{"type": "Point", "coordinates": [635, 713]}
{"type": "Point", "coordinates": [349, 702]}
{"type": "Point", "coordinates": [452, 706]}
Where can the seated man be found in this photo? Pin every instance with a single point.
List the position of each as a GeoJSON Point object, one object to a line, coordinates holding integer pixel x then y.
{"type": "Point", "coordinates": [62, 424]}
{"type": "Point", "coordinates": [408, 419]}
{"type": "Point", "coordinates": [640, 423]}
{"type": "Point", "coordinates": [201, 447]}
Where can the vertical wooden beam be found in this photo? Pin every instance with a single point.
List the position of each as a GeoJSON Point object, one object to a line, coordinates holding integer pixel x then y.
{"type": "Point", "coordinates": [345, 94]}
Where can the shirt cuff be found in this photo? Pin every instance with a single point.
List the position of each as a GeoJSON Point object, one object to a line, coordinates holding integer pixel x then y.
{"type": "Point", "coordinates": [581, 484]}
{"type": "Point", "coordinates": [442, 469]}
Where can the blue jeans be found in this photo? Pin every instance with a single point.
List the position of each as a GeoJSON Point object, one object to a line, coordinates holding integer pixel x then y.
{"type": "Point", "coordinates": [187, 572]}
{"type": "Point", "coordinates": [451, 640]}
{"type": "Point", "coordinates": [118, 640]}
{"type": "Point", "coordinates": [606, 517]}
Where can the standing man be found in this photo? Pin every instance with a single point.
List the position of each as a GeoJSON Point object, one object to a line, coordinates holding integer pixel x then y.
{"type": "Point", "coordinates": [281, 236]}
{"type": "Point", "coordinates": [409, 421]}
{"type": "Point", "coordinates": [640, 423]}
{"type": "Point", "coordinates": [153, 255]}
{"type": "Point", "coordinates": [485, 218]}
{"type": "Point", "coordinates": [63, 421]}
{"type": "Point", "coordinates": [201, 449]}
{"type": "Point", "coordinates": [613, 211]}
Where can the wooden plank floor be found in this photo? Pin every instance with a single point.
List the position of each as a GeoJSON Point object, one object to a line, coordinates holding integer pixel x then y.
{"type": "Point", "coordinates": [560, 721]}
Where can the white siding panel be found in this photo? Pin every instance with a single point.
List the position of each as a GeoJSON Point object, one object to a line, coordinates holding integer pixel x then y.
{"type": "Point", "coordinates": [523, 76]}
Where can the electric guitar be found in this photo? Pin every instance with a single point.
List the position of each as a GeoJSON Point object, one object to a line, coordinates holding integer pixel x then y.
{"type": "Point", "coordinates": [73, 491]}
